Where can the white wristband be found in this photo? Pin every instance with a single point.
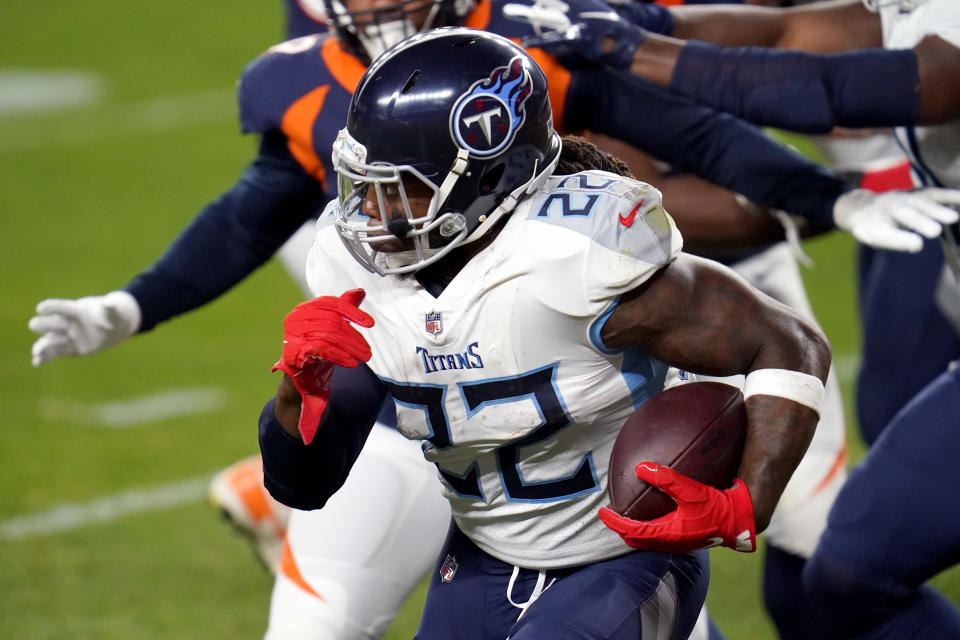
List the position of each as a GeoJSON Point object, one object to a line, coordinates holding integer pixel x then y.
{"type": "Point", "coordinates": [783, 383]}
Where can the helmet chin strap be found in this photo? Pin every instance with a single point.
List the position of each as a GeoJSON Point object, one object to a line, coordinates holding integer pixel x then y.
{"type": "Point", "coordinates": [540, 176]}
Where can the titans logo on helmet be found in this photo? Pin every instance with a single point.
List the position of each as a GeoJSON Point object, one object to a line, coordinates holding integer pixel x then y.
{"type": "Point", "coordinates": [486, 117]}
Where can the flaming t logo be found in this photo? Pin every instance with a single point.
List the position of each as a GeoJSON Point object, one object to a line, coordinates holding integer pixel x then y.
{"type": "Point", "coordinates": [485, 119]}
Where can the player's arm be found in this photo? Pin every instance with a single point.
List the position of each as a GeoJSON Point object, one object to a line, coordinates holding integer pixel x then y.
{"type": "Point", "coordinates": [717, 147]}
{"type": "Point", "coordinates": [700, 316]}
{"type": "Point", "coordinates": [824, 66]}
{"type": "Point", "coordinates": [734, 154]}
{"type": "Point", "coordinates": [827, 27]}
{"type": "Point", "coordinates": [713, 221]}
{"type": "Point", "coordinates": [822, 27]}
{"type": "Point", "coordinates": [232, 236]}
{"type": "Point", "coordinates": [305, 476]}
{"type": "Point", "coordinates": [225, 242]}
{"type": "Point", "coordinates": [815, 92]}
{"type": "Point", "coordinates": [312, 430]}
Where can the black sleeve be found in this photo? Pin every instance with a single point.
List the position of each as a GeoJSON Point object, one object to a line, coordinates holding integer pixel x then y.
{"type": "Point", "coordinates": [305, 476]}
{"type": "Point", "coordinates": [801, 91]}
{"type": "Point", "coordinates": [697, 139]}
{"type": "Point", "coordinates": [652, 17]}
{"type": "Point", "coordinates": [230, 237]}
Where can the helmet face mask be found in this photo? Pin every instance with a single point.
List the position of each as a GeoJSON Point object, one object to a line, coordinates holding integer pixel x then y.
{"type": "Point", "coordinates": [368, 32]}
{"type": "Point", "coordinates": [445, 134]}
{"type": "Point", "coordinates": [408, 233]}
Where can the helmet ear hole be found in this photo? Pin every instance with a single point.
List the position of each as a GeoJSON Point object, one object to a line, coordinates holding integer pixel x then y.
{"type": "Point", "coordinates": [490, 179]}
{"type": "Point", "coordinates": [411, 81]}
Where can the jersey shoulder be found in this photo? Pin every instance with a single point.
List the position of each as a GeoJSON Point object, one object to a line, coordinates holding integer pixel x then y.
{"type": "Point", "coordinates": [278, 78]}
{"type": "Point", "coordinates": [625, 233]}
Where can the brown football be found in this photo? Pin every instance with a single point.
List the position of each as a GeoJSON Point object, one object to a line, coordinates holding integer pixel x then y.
{"type": "Point", "coordinates": [697, 428]}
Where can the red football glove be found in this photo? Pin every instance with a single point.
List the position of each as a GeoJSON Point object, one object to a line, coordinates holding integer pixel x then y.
{"type": "Point", "coordinates": [704, 517]}
{"type": "Point", "coordinates": [316, 336]}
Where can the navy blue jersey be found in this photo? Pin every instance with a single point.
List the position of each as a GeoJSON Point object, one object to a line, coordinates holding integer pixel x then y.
{"type": "Point", "coordinates": [304, 18]}
{"type": "Point", "coordinates": [301, 88]}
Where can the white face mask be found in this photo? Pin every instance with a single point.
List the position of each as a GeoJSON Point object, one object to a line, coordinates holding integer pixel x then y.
{"type": "Point", "coordinates": [377, 38]}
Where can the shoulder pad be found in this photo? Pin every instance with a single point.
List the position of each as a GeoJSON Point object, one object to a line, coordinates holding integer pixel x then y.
{"type": "Point", "coordinates": [630, 234]}
{"type": "Point", "coordinates": [277, 78]}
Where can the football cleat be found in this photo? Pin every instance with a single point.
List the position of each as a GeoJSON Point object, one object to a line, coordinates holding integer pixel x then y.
{"type": "Point", "coordinates": [239, 494]}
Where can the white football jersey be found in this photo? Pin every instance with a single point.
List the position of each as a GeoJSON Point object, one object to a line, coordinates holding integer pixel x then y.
{"type": "Point", "coordinates": [504, 377]}
{"type": "Point", "coordinates": [934, 150]}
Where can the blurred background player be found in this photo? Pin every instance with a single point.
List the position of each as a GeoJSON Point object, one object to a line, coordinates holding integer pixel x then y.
{"type": "Point", "coordinates": [285, 185]}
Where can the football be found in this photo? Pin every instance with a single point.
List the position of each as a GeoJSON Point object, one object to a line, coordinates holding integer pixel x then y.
{"type": "Point", "coordinates": [697, 428]}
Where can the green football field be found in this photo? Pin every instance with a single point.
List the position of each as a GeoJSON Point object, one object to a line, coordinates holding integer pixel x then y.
{"type": "Point", "coordinates": [117, 123]}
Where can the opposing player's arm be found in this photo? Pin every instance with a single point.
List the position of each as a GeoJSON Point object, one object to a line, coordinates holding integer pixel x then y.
{"type": "Point", "coordinates": [938, 63]}
{"type": "Point", "coordinates": [713, 221]}
{"type": "Point", "coordinates": [803, 87]}
{"type": "Point", "coordinates": [823, 27]}
{"type": "Point", "coordinates": [230, 237]}
{"type": "Point", "coordinates": [699, 316]}
{"type": "Point", "coordinates": [697, 139]}
{"type": "Point", "coordinates": [226, 241]}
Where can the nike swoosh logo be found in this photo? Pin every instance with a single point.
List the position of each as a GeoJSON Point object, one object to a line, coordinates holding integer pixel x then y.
{"type": "Point", "coordinates": [628, 221]}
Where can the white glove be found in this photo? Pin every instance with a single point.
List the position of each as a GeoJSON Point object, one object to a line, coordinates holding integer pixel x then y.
{"type": "Point", "coordinates": [84, 326]}
{"type": "Point", "coordinates": [896, 220]}
{"type": "Point", "coordinates": [545, 16]}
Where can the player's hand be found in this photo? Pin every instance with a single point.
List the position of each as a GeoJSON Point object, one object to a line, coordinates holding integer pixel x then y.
{"type": "Point", "coordinates": [83, 326]}
{"type": "Point", "coordinates": [896, 220]}
{"type": "Point", "coordinates": [317, 335]}
{"type": "Point", "coordinates": [704, 517]}
{"type": "Point", "coordinates": [604, 37]}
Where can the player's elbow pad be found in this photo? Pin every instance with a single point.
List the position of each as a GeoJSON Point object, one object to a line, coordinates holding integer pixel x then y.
{"type": "Point", "coordinates": [798, 91]}
{"type": "Point", "coordinates": [299, 476]}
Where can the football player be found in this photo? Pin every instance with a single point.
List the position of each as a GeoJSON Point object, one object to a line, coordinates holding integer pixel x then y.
{"type": "Point", "coordinates": [517, 320]}
{"type": "Point", "coordinates": [295, 97]}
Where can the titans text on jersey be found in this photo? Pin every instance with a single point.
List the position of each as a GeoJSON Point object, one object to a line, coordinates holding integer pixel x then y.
{"type": "Point", "coordinates": [516, 396]}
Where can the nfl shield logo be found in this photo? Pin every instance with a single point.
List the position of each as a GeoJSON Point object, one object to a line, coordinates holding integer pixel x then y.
{"type": "Point", "coordinates": [449, 568]}
{"type": "Point", "coordinates": [434, 321]}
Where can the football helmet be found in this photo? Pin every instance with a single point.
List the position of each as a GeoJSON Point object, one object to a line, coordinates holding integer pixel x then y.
{"type": "Point", "coordinates": [457, 122]}
{"type": "Point", "coordinates": [368, 32]}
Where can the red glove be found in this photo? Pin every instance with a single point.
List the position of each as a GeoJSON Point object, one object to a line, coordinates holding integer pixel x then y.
{"type": "Point", "coordinates": [316, 336]}
{"type": "Point", "coordinates": [704, 517]}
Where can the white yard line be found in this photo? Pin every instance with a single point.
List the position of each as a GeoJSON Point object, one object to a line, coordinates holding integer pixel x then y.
{"type": "Point", "coordinates": [72, 515]}
{"type": "Point", "coordinates": [68, 516]}
{"type": "Point", "coordinates": [136, 411]}
{"type": "Point", "coordinates": [29, 92]}
{"type": "Point", "coordinates": [107, 122]}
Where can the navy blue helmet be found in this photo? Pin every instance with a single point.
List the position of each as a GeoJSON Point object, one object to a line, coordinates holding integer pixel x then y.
{"type": "Point", "coordinates": [459, 116]}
